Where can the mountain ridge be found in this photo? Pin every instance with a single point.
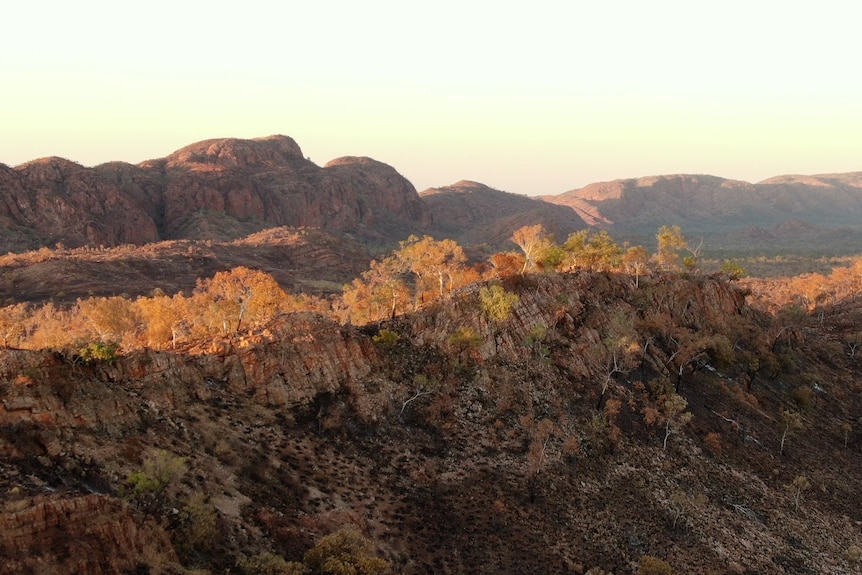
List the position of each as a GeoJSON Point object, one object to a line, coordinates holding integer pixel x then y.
{"type": "Point", "coordinates": [224, 188]}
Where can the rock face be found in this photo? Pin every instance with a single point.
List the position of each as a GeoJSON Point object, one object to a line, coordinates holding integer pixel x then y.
{"type": "Point", "coordinates": [215, 189]}
{"type": "Point", "coordinates": [86, 535]}
{"type": "Point", "coordinates": [61, 201]}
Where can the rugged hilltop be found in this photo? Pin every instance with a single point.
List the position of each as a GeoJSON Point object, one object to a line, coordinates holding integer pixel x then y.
{"type": "Point", "coordinates": [216, 189]}
{"type": "Point", "coordinates": [595, 423]}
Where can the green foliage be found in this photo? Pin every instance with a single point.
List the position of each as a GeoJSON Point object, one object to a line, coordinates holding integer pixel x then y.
{"type": "Point", "coordinates": [733, 270]}
{"type": "Point", "coordinates": [345, 552]}
{"type": "Point", "coordinates": [650, 565]}
{"type": "Point", "coordinates": [791, 421]}
{"type": "Point", "coordinates": [535, 340]}
{"type": "Point", "coordinates": [552, 256]}
{"type": "Point", "coordinates": [597, 251]}
{"type": "Point", "coordinates": [803, 397]}
{"type": "Point", "coordinates": [98, 352]}
{"type": "Point", "coordinates": [799, 484]}
{"type": "Point", "coordinates": [198, 521]}
{"type": "Point", "coordinates": [497, 303]}
{"type": "Point", "coordinates": [670, 241]}
{"type": "Point", "coordinates": [387, 338]}
{"type": "Point", "coordinates": [268, 564]}
{"type": "Point", "coordinates": [146, 487]}
{"type": "Point", "coordinates": [465, 339]}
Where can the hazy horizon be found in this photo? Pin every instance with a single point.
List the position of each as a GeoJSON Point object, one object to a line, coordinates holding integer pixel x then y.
{"type": "Point", "coordinates": [536, 100]}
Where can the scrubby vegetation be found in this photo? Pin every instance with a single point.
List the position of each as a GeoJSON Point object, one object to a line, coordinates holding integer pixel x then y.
{"type": "Point", "coordinates": [420, 272]}
{"type": "Point", "coordinates": [565, 406]}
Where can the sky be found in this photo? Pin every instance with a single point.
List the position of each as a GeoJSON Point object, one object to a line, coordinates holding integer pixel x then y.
{"type": "Point", "coordinates": [531, 98]}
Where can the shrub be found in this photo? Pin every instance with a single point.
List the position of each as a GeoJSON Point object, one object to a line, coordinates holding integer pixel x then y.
{"type": "Point", "coordinates": [268, 564]}
{"type": "Point", "coordinates": [345, 552]}
{"type": "Point", "coordinates": [386, 338]}
{"type": "Point", "coordinates": [497, 303]}
{"type": "Point", "coordinates": [852, 554]}
{"type": "Point", "coordinates": [198, 520]}
{"type": "Point", "coordinates": [465, 339]}
{"type": "Point", "coordinates": [146, 488]}
{"type": "Point", "coordinates": [650, 565]}
{"type": "Point", "coordinates": [98, 352]}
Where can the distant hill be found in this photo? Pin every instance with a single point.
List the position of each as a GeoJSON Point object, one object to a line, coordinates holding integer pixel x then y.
{"type": "Point", "coordinates": [712, 206]}
{"type": "Point", "coordinates": [473, 213]}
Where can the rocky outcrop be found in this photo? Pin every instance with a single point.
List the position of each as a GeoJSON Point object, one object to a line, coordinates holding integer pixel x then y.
{"type": "Point", "coordinates": [60, 201]}
{"type": "Point", "coordinates": [85, 535]}
{"type": "Point", "coordinates": [287, 365]}
{"type": "Point", "coordinates": [216, 189]}
{"type": "Point", "coordinates": [270, 152]}
{"type": "Point", "coordinates": [576, 313]}
{"type": "Point", "coordinates": [445, 452]}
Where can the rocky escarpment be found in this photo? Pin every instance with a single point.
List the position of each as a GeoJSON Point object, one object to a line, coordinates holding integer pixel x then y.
{"type": "Point", "coordinates": [285, 366]}
{"type": "Point", "coordinates": [215, 189]}
{"type": "Point", "coordinates": [267, 181]}
{"type": "Point", "coordinates": [458, 443]}
{"type": "Point", "coordinates": [56, 200]}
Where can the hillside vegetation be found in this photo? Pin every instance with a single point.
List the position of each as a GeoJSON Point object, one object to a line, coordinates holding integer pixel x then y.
{"type": "Point", "coordinates": [565, 407]}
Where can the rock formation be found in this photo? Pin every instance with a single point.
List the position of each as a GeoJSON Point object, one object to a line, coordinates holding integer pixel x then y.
{"type": "Point", "coordinates": [215, 189]}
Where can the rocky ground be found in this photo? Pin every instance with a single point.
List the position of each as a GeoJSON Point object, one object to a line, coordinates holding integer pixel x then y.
{"type": "Point", "coordinates": [498, 453]}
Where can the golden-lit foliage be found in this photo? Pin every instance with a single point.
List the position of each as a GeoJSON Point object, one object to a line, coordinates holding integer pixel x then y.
{"type": "Point", "coordinates": [230, 299]}
{"type": "Point", "coordinates": [161, 318]}
{"type": "Point", "coordinates": [420, 271]}
{"type": "Point", "coordinates": [532, 240]}
{"type": "Point", "coordinates": [12, 324]}
{"type": "Point", "coordinates": [670, 242]}
{"type": "Point", "coordinates": [811, 290]}
{"type": "Point", "coordinates": [435, 263]}
{"type": "Point", "coordinates": [506, 264]}
{"type": "Point", "coordinates": [219, 306]}
{"type": "Point", "coordinates": [378, 294]}
{"type": "Point", "coordinates": [108, 319]}
{"type": "Point", "coordinates": [381, 292]}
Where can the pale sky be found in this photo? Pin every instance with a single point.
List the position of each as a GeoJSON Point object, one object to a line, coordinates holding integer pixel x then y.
{"type": "Point", "coordinates": [531, 98]}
